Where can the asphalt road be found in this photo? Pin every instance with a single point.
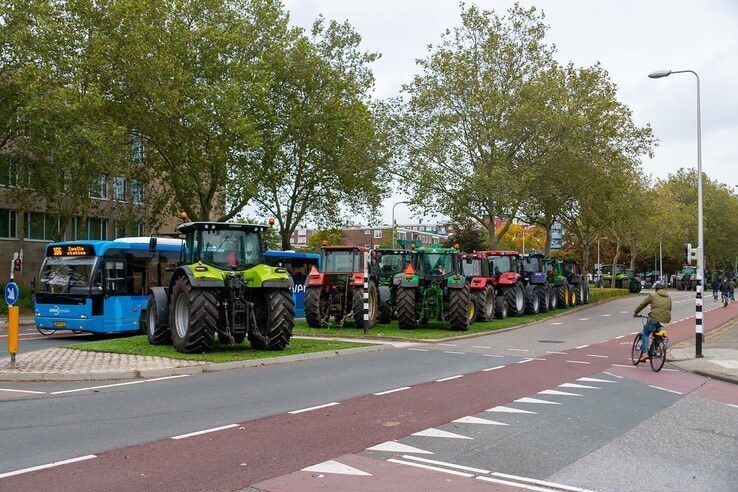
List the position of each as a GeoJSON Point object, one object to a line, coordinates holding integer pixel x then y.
{"type": "Point", "coordinates": [137, 421]}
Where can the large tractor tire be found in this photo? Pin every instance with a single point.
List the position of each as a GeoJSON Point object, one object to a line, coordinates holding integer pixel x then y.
{"type": "Point", "coordinates": [606, 284]}
{"type": "Point", "coordinates": [573, 295]}
{"type": "Point", "coordinates": [485, 300]}
{"type": "Point", "coordinates": [500, 307]}
{"type": "Point", "coordinates": [679, 285]}
{"type": "Point", "coordinates": [407, 312]}
{"type": "Point", "coordinates": [553, 298]}
{"type": "Point", "coordinates": [562, 295]}
{"type": "Point", "coordinates": [586, 293]}
{"type": "Point", "coordinates": [194, 317]}
{"type": "Point", "coordinates": [461, 309]}
{"type": "Point", "coordinates": [532, 301]}
{"type": "Point", "coordinates": [579, 288]}
{"type": "Point", "coordinates": [275, 323]}
{"type": "Point", "coordinates": [542, 293]}
{"type": "Point", "coordinates": [357, 306]}
{"type": "Point", "coordinates": [634, 287]}
{"type": "Point", "coordinates": [317, 308]}
{"type": "Point", "coordinates": [515, 297]}
{"type": "Point", "coordinates": [384, 309]}
{"type": "Point", "coordinates": [156, 330]}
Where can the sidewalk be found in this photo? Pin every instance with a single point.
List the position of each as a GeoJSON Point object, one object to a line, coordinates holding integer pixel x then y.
{"type": "Point", "coordinates": [22, 321]}
{"type": "Point", "coordinates": [720, 350]}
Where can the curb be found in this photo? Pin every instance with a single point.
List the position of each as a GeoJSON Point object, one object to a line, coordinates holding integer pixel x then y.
{"type": "Point", "coordinates": [205, 367]}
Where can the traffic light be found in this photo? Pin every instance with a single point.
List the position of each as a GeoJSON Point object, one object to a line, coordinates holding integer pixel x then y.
{"type": "Point", "coordinates": [690, 254]}
{"type": "Point", "coordinates": [17, 265]}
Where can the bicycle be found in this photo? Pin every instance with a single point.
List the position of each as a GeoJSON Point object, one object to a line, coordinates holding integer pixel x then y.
{"type": "Point", "coordinates": [726, 299]}
{"type": "Point", "coordinates": [714, 296]}
{"type": "Point", "coordinates": [658, 342]}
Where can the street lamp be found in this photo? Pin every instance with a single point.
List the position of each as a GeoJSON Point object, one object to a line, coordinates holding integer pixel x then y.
{"type": "Point", "coordinates": [698, 329]}
{"type": "Point", "coordinates": [393, 220]}
{"type": "Point", "coordinates": [599, 265]}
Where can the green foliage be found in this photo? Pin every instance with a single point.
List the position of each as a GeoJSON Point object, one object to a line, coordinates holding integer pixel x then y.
{"type": "Point", "coordinates": [332, 236]}
{"type": "Point", "coordinates": [601, 294]}
{"type": "Point", "coordinates": [25, 303]}
{"type": "Point", "coordinates": [467, 235]}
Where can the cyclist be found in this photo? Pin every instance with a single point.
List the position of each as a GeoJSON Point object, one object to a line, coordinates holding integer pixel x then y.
{"type": "Point", "coordinates": [731, 284]}
{"type": "Point", "coordinates": [660, 314]}
{"type": "Point", "coordinates": [725, 289]}
{"type": "Point", "coordinates": [715, 288]}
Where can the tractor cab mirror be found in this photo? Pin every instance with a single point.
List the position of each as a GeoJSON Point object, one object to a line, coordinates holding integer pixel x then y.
{"type": "Point", "coordinates": [152, 245]}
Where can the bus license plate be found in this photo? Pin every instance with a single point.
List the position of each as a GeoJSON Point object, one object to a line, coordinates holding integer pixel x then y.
{"type": "Point", "coordinates": [60, 324]}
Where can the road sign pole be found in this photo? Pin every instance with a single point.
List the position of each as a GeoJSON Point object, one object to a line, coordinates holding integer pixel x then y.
{"type": "Point", "coordinates": [13, 322]}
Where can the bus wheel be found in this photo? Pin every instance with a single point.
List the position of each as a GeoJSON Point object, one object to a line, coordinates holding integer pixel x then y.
{"type": "Point", "coordinates": [45, 332]}
{"type": "Point", "coordinates": [157, 332]}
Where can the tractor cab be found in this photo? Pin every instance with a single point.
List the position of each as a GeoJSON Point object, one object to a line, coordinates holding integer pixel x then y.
{"type": "Point", "coordinates": [503, 264]}
{"type": "Point", "coordinates": [389, 262]}
{"type": "Point", "coordinates": [222, 245]}
{"type": "Point", "coordinates": [473, 266]}
{"type": "Point", "coordinates": [532, 268]}
{"type": "Point", "coordinates": [437, 263]}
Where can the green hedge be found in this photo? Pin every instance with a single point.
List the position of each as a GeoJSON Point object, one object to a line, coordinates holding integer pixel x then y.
{"type": "Point", "coordinates": [25, 302]}
{"type": "Point", "coordinates": [596, 294]}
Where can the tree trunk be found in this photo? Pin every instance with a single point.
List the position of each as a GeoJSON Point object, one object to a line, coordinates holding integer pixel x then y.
{"type": "Point", "coordinates": [615, 262]}
{"type": "Point", "coordinates": [633, 253]}
{"type": "Point", "coordinates": [585, 258]}
{"type": "Point", "coordinates": [286, 237]}
{"type": "Point", "coordinates": [548, 241]}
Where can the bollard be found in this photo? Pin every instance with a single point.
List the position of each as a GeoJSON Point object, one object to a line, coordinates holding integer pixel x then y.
{"type": "Point", "coordinates": [13, 316]}
{"type": "Point", "coordinates": [366, 292]}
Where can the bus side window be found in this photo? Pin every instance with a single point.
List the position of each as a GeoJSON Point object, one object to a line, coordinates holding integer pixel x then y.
{"type": "Point", "coordinates": [136, 272]}
{"type": "Point", "coordinates": [167, 260]}
{"type": "Point", "coordinates": [115, 276]}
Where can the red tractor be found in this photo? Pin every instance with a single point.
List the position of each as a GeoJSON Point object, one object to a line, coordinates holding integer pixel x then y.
{"type": "Point", "coordinates": [505, 268]}
{"type": "Point", "coordinates": [338, 288]}
{"type": "Point", "coordinates": [483, 287]}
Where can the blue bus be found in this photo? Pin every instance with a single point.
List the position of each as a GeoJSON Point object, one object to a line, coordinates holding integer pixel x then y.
{"type": "Point", "coordinates": [298, 265]}
{"type": "Point", "coordinates": [100, 286]}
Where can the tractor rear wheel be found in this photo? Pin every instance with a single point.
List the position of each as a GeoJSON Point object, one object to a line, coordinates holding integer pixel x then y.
{"type": "Point", "coordinates": [586, 293]}
{"type": "Point", "coordinates": [195, 312]}
{"type": "Point", "coordinates": [542, 293]}
{"type": "Point", "coordinates": [606, 284]}
{"type": "Point", "coordinates": [532, 302]}
{"type": "Point", "coordinates": [357, 306]}
{"type": "Point", "coordinates": [553, 297]}
{"type": "Point", "coordinates": [461, 310]}
{"type": "Point", "coordinates": [500, 307]}
{"type": "Point", "coordinates": [485, 300]}
{"type": "Point", "coordinates": [157, 332]}
{"type": "Point", "coordinates": [515, 300]}
{"type": "Point", "coordinates": [562, 294]}
{"type": "Point", "coordinates": [317, 308]}
{"type": "Point", "coordinates": [580, 293]}
{"type": "Point", "coordinates": [274, 323]}
{"type": "Point", "coordinates": [407, 312]}
{"type": "Point", "coordinates": [573, 296]}
{"type": "Point", "coordinates": [384, 307]}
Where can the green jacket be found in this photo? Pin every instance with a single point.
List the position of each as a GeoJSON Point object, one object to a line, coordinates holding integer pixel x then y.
{"type": "Point", "coordinates": [660, 306]}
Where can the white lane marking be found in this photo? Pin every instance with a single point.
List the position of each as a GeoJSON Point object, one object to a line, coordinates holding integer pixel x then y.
{"type": "Point", "coordinates": [206, 431]}
{"type": "Point", "coordinates": [634, 332]}
{"type": "Point", "coordinates": [449, 378]}
{"type": "Point", "coordinates": [574, 385]}
{"type": "Point", "coordinates": [502, 409]}
{"type": "Point", "coordinates": [540, 482]}
{"type": "Point", "coordinates": [731, 405]}
{"type": "Point", "coordinates": [444, 463]}
{"type": "Point", "coordinates": [554, 352]}
{"type": "Point", "coordinates": [432, 432]}
{"type": "Point", "coordinates": [476, 420]}
{"type": "Point", "coordinates": [621, 336]}
{"type": "Point", "coordinates": [24, 391]}
{"type": "Point", "coordinates": [392, 391]}
{"type": "Point", "coordinates": [519, 350]}
{"type": "Point", "coordinates": [448, 344]}
{"type": "Point", "coordinates": [582, 346]}
{"type": "Point", "coordinates": [335, 467]}
{"type": "Point", "coordinates": [606, 315]}
{"type": "Point", "coordinates": [397, 447]}
{"type": "Point", "coordinates": [670, 370]}
{"type": "Point", "coordinates": [452, 352]}
{"type": "Point", "coordinates": [578, 362]}
{"type": "Point", "coordinates": [623, 365]}
{"type": "Point", "coordinates": [429, 467]}
{"type": "Point", "coordinates": [419, 349]}
{"type": "Point", "coordinates": [127, 383]}
{"type": "Point", "coordinates": [665, 389]}
{"type": "Point", "coordinates": [584, 319]}
{"type": "Point", "coordinates": [492, 368]}
{"type": "Point", "coordinates": [623, 312]}
{"type": "Point", "coordinates": [595, 380]}
{"type": "Point", "coordinates": [536, 400]}
{"type": "Point", "coordinates": [481, 347]}
{"type": "Point", "coordinates": [555, 392]}
{"type": "Point", "coordinates": [493, 355]}
{"type": "Point", "coordinates": [48, 465]}
{"type": "Point", "coordinates": [524, 361]}
{"type": "Point", "coordinates": [595, 355]}
{"type": "Point", "coordinates": [613, 375]}
{"type": "Point", "coordinates": [325, 405]}
{"type": "Point", "coordinates": [556, 323]}
{"type": "Point", "coordinates": [512, 484]}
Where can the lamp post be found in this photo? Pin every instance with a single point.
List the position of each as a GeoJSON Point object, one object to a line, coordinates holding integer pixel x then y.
{"type": "Point", "coordinates": [698, 329]}
{"type": "Point", "coordinates": [393, 220]}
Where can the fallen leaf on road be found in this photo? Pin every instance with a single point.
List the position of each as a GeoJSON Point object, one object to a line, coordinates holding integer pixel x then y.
{"type": "Point", "coordinates": [390, 424]}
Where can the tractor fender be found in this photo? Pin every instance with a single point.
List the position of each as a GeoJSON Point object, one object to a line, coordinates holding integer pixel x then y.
{"type": "Point", "coordinates": [409, 283]}
{"type": "Point", "coordinates": [459, 285]}
{"type": "Point", "coordinates": [187, 270]}
{"type": "Point", "coordinates": [161, 298]}
{"type": "Point", "coordinates": [508, 278]}
{"type": "Point", "coordinates": [478, 283]}
{"type": "Point", "coordinates": [385, 295]}
{"type": "Point", "coordinates": [278, 283]}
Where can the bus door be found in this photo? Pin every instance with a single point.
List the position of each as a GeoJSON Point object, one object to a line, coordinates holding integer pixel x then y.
{"type": "Point", "coordinates": [125, 290]}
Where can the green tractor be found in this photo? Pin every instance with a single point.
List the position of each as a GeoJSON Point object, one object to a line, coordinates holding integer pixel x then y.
{"type": "Point", "coordinates": [221, 287]}
{"type": "Point", "coordinates": [686, 279]}
{"type": "Point", "coordinates": [434, 286]}
{"type": "Point", "coordinates": [388, 262]}
{"type": "Point", "coordinates": [565, 295]}
{"type": "Point", "coordinates": [624, 279]}
{"type": "Point", "coordinates": [577, 282]}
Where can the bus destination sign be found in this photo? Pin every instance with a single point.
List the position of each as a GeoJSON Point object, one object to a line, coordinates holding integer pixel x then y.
{"type": "Point", "coordinates": [72, 250]}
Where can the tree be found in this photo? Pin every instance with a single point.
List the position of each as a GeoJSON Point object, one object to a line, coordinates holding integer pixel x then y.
{"type": "Point", "coordinates": [321, 155]}
{"type": "Point", "coordinates": [467, 235]}
{"type": "Point", "coordinates": [535, 238]}
{"type": "Point", "coordinates": [332, 237]}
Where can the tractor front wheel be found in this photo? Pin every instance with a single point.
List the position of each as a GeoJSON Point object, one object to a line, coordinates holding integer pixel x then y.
{"type": "Point", "coordinates": [317, 307]}
{"type": "Point", "coordinates": [384, 308]}
{"type": "Point", "coordinates": [485, 300]}
{"type": "Point", "coordinates": [407, 312]}
{"type": "Point", "coordinates": [276, 322]}
{"type": "Point", "coordinates": [500, 307]}
{"type": "Point", "coordinates": [542, 293]}
{"type": "Point", "coordinates": [562, 294]}
{"type": "Point", "coordinates": [515, 298]}
{"type": "Point", "coordinates": [357, 306]}
{"type": "Point", "coordinates": [553, 297]}
{"type": "Point", "coordinates": [586, 293]}
{"type": "Point", "coordinates": [195, 312]}
{"type": "Point", "coordinates": [461, 311]}
{"type": "Point", "coordinates": [157, 332]}
{"type": "Point", "coordinates": [532, 301]}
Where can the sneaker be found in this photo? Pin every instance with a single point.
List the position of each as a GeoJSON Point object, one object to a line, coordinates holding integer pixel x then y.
{"type": "Point", "coordinates": [644, 357]}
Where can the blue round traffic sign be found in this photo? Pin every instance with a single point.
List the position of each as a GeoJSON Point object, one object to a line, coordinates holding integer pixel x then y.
{"type": "Point", "coordinates": [11, 293]}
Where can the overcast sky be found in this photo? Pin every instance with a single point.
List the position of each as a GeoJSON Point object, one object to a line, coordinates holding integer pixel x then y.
{"type": "Point", "coordinates": [629, 37]}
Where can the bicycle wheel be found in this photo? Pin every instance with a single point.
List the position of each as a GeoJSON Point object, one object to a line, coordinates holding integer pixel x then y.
{"type": "Point", "coordinates": [45, 331]}
{"type": "Point", "coordinates": [635, 352]}
{"type": "Point", "coordinates": [658, 355]}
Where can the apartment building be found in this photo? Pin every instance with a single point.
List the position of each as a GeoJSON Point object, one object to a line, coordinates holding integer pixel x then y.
{"type": "Point", "coordinates": [375, 236]}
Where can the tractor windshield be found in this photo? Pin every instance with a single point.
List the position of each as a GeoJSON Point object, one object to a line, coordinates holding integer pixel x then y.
{"type": "Point", "coordinates": [435, 263]}
{"type": "Point", "coordinates": [500, 265]}
{"type": "Point", "coordinates": [568, 269]}
{"type": "Point", "coordinates": [341, 261]}
{"type": "Point", "coordinates": [531, 264]}
{"type": "Point", "coordinates": [471, 267]}
{"type": "Point", "coordinates": [391, 263]}
{"type": "Point", "coordinates": [228, 249]}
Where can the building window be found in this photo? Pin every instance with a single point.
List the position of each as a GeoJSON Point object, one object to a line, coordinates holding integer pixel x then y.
{"type": "Point", "coordinates": [41, 226]}
{"type": "Point", "coordinates": [139, 229]}
{"type": "Point", "coordinates": [119, 189]}
{"type": "Point", "coordinates": [91, 229]}
{"type": "Point", "coordinates": [301, 240]}
{"type": "Point", "coordinates": [99, 188]}
{"type": "Point", "coordinates": [7, 223]}
{"type": "Point", "coordinates": [367, 231]}
{"type": "Point", "coordinates": [378, 234]}
{"type": "Point", "coordinates": [136, 191]}
{"type": "Point", "coordinates": [137, 147]}
{"type": "Point", "coordinates": [9, 175]}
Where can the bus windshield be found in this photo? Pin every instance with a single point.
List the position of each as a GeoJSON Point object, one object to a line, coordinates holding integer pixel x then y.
{"type": "Point", "coordinates": [230, 249]}
{"type": "Point", "coordinates": [436, 263]}
{"type": "Point", "coordinates": [67, 275]}
{"type": "Point", "coordinates": [341, 261]}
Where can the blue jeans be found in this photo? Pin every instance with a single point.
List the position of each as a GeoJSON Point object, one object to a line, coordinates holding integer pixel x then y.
{"type": "Point", "coordinates": [650, 326]}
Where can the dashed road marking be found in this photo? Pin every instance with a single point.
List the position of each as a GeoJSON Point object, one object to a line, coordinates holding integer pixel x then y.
{"type": "Point", "coordinates": [554, 352]}
{"type": "Point", "coordinates": [556, 323]}
{"type": "Point", "coordinates": [476, 420]}
{"type": "Point", "coordinates": [621, 336]}
{"type": "Point", "coordinates": [336, 467]}
{"type": "Point", "coordinates": [398, 447]}
{"type": "Point", "coordinates": [559, 393]}
{"type": "Point", "coordinates": [503, 409]}
{"type": "Point", "coordinates": [493, 355]}
{"type": "Point", "coordinates": [623, 365]}
{"type": "Point", "coordinates": [24, 391]}
{"type": "Point", "coordinates": [447, 344]}
{"type": "Point", "coordinates": [606, 315]}
{"type": "Point", "coordinates": [492, 368]}
{"type": "Point", "coordinates": [418, 349]}
{"type": "Point", "coordinates": [512, 484]}
{"type": "Point", "coordinates": [613, 375]}
{"type": "Point", "coordinates": [595, 380]}
{"type": "Point", "coordinates": [48, 465]}
{"type": "Point", "coordinates": [665, 389]}
{"type": "Point", "coordinates": [540, 482]}
{"type": "Point", "coordinates": [429, 467]}
{"type": "Point", "coordinates": [481, 347]}
{"type": "Point", "coordinates": [582, 346]}
{"type": "Point", "coordinates": [595, 355]}
{"type": "Point", "coordinates": [446, 464]}
{"type": "Point", "coordinates": [524, 361]}
{"type": "Point", "coordinates": [575, 385]}
{"type": "Point", "coordinates": [584, 319]}
{"type": "Point", "coordinates": [519, 350]}
{"type": "Point", "coordinates": [433, 432]}
{"type": "Point", "coordinates": [578, 362]}
{"type": "Point", "coordinates": [127, 383]}
{"type": "Point", "coordinates": [453, 352]}
{"type": "Point", "coordinates": [206, 431]}
{"type": "Point", "coordinates": [392, 391]}
{"type": "Point", "coordinates": [317, 407]}
{"type": "Point", "coordinates": [449, 378]}
{"type": "Point", "coordinates": [536, 400]}
{"type": "Point", "coordinates": [731, 405]}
